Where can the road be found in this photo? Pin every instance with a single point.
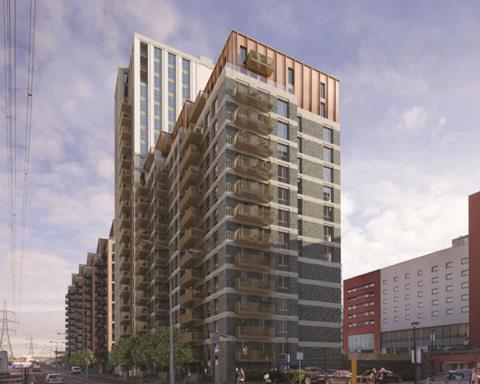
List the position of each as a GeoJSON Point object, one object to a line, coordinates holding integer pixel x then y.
{"type": "Point", "coordinates": [78, 379]}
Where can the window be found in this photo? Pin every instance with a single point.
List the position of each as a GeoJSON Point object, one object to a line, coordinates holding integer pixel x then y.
{"type": "Point", "coordinates": [186, 80]}
{"type": "Point", "coordinates": [283, 282]}
{"type": "Point", "coordinates": [300, 206]}
{"type": "Point", "coordinates": [327, 233]}
{"type": "Point", "coordinates": [283, 218]}
{"type": "Point", "coordinates": [420, 272]}
{"type": "Point", "coordinates": [283, 196]}
{"type": "Point", "coordinates": [322, 110]}
{"type": "Point", "coordinates": [434, 313]}
{"type": "Point", "coordinates": [449, 311]}
{"type": "Point", "coordinates": [434, 302]}
{"type": "Point", "coordinates": [328, 135]}
{"type": "Point", "coordinates": [420, 316]}
{"type": "Point", "coordinates": [283, 152]}
{"type": "Point", "coordinates": [283, 174]}
{"type": "Point", "coordinates": [291, 76]}
{"type": "Point", "coordinates": [328, 194]}
{"type": "Point", "coordinates": [465, 297]}
{"type": "Point", "coordinates": [465, 284]}
{"type": "Point", "coordinates": [407, 286]}
{"type": "Point", "coordinates": [464, 260]}
{"type": "Point", "coordinates": [434, 279]}
{"type": "Point", "coordinates": [435, 291]}
{"type": "Point", "coordinates": [407, 276]}
{"type": "Point", "coordinates": [435, 268]}
{"type": "Point", "coordinates": [464, 309]}
{"type": "Point", "coordinates": [300, 145]}
{"type": "Point", "coordinates": [282, 107]}
{"type": "Point", "coordinates": [408, 307]}
{"type": "Point", "coordinates": [395, 309]}
{"type": "Point", "coordinates": [299, 165]}
{"type": "Point", "coordinates": [328, 154]}
{"type": "Point", "coordinates": [283, 240]}
{"type": "Point", "coordinates": [395, 319]}
{"type": "Point", "coordinates": [465, 272]}
{"type": "Point", "coordinates": [449, 265]}
{"type": "Point", "coordinates": [385, 291]}
{"type": "Point", "coordinates": [243, 54]}
{"type": "Point", "coordinates": [420, 304]}
{"type": "Point", "coordinates": [395, 289]}
{"type": "Point", "coordinates": [407, 317]}
{"type": "Point", "coordinates": [449, 288]}
{"type": "Point", "coordinates": [449, 276]}
{"type": "Point", "coordinates": [322, 90]}
{"type": "Point", "coordinates": [282, 305]}
{"type": "Point", "coordinates": [327, 213]}
{"type": "Point", "coordinates": [299, 123]}
{"type": "Point", "coordinates": [420, 283]}
{"type": "Point", "coordinates": [282, 130]}
{"type": "Point", "coordinates": [407, 296]}
{"type": "Point", "coordinates": [328, 174]}
{"type": "Point", "coordinates": [420, 294]}
{"type": "Point", "coordinates": [449, 299]}
{"type": "Point", "coordinates": [300, 227]}
{"type": "Point", "coordinates": [395, 279]}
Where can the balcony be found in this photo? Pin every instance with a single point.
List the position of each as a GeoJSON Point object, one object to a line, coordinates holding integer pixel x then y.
{"type": "Point", "coordinates": [141, 203]}
{"type": "Point", "coordinates": [141, 238]}
{"type": "Point", "coordinates": [192, 136]}
{"type": "Point", "coordinates": [125, 132]}
{"type": "Point", "coordinates": [141, 327]}
{"type": "Point", "coordinates": [140, 282]}
{"type": "Point", "coordinates": [250, 166]}
{"type": "Point", "coordinates": [250, 143]}
{"type": "Point", "coordinates": [259, 63]}
{"type": "Point", "coordinates": [125, 277]}
{"type": "Point", "coordinates": [190, 317]}
{"type": "Point", "coordinates": [160, 291]}
{"type": "Point", "coordinates": [141, 313]}
{"type": "Point", "coordinates": [125, 220]}
{"type": "Point", "coordinates": [159, 240]}
{"type": "Point", "coordinates": [254, 333]}
{"type": "Point", "coordinates": [253, 261]}
{"type": "Point", "coordinates": [125, 207]}
{"type": "Point", "coordinates": [191, 238]}
{"type": "Point", "coordinates": [125, 292]}
{"type": "Point", "coordinates": [192, 155]}
{"type": "Point", "coordinates": [125, 190]}
{"type": "Point", "coordinates": [253, 238]}
{"type": "Point", "coordinates": [257, 286]}
{"type": "Point", "coordinates": [253, 121]}
{"type": "Point", "coordinates": [190, 258]}
{"type": "Point", "coordinates": [159, 257]}
{"type": "Point", "coordinates": [126, 113]}
{"type": "Point", "coordinates": [191, 176]}
{"type": "Point", "coordinates": [159, 206]}
{"type": "Point", "coordinates": [125, 162]}
{"type": "Point", "coordinates": [254, 309]}
{"type": "Point", "coordinates": [141, 299]}
{"type": "Point", "coordinates": [190, 298]}
{"type": "Point", "coordinates": [253, 356]}
{"type": "Point", "coordinates": [191, 218]}
{"type": "Point", "coordinates": [253, 214]}
{"type": "Point", "coordinates": [125, 319]}
{"type": "Point", "coordinates": [161, 176]}
{"type": "Point", "coordinates": [254, 97]}
{"type": "Point", "coordinates": [190, 278]}
{"type": "Point", "coordinates": [125, 234]}
{"type": "Point", "coordinates": [160, 274]}
{"type": "Point", "coordinates": [125, 176]}
{"type": "Point", "coordinates": [254, 191]}
{"type": "Point", "coordinates": [192, 196]}
{"type": "Point", "coordinates": [142, 219]}
{"type": "Point", "coordinates": [193, 337]}
{"type": "Point", "coordinates": [160, 191]}
{"type": "Point", "coordinates": [141, 267]}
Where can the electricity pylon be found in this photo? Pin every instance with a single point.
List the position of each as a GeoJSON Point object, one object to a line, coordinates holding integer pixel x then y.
{"type": "Point", "coordinates": [8, 317]}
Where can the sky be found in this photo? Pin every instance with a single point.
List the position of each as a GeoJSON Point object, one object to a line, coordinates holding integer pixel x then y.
{"type": "Point", "coordinates": [409, 121]}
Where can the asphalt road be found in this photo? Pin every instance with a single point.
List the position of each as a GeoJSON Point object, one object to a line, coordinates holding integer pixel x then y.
{"type": "Point", "coordinates": [39, 378]}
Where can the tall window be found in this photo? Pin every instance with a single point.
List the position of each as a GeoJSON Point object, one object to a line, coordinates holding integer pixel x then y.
{"type": "Point", "coordinates": [186, 80]}
{"type": "Point", "coordinates": [283, 196]}
{"type": "Point", "coordinates": [283, 240]}
{"type": "Point", "coordinates": [143, 98]}
{"type": "Point", "coordinates": [172, 91]}
{"type": "Point", "coordinates": [322, 90]}
{"type": "Point", "coordinates": [322, 110]}
{"type": "Point", "coordinates": [243, 55]}
{"type": "Point", "coordinates": [299, 122]}
{"type": "Point", "coordinates": [283, 218]}
{"type": "Point", "coordinates": [157, 102]}
{"type": "Point", "coordinates": [291, 76]}
{"type": "Point", "coordinates": [283, 152]}
{"type": "Point", "coordinates": [328, 154]}
{"type": "Point", "coordinates": [327, 233]}
{"type": "Point", "coordinates": [282, 130]}
{"type": "Point", "coordinates": [328, 135]}
{"type": "Point", "coordinates": [328, 174]}
{"type": "Point", "coordinates": [282, 107]}
{"type": "Point", "coordinates": [327, 213]}
{"type": "Point", "coordinates": [283, 174]}
{"type": "Point", "coordinates": [328, 194]}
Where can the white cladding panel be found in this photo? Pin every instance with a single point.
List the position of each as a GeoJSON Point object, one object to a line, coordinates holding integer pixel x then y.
{"type": "Point", "coordinates": [431, 289]}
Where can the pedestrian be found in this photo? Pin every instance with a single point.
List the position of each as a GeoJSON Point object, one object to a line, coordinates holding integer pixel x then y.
{"type": "Point", "coordinates": [241, 376]}
{"type": "Point", "coordinates": [237, 374]}
{"type": "Point", "coordinates": [205, 375]}
{"type": "Point", "coordinates": [475, 378]}
{"type": "Point", "coordinates": [373, 376]}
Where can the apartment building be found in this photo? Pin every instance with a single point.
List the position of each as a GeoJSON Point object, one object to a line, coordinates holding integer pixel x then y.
{"type": "Point", "coordinates": [89, 303]}
{"type": "Point", "coordinates": [149, 95]}
{"type": "Point", "coordinates": [237, 217]}
{"type": "Point", "coordinates": [433, 292]}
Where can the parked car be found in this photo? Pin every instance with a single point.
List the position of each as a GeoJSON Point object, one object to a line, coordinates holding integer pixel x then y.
{"type": "Point", "coordinates": [76, 370]}
{"type": "Point", "coordinates": [314, 375]}
{"type": "Point", "coordinates": [340, 377]}
{"type": "Point", "coordinates": [388, 376]}
{"type": "Point", "coordinates": [460, 376]}
{"type": "Point", "coordinates": [54, 378]}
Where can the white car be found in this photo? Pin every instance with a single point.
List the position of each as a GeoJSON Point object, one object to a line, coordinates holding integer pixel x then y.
{"type": "Point", "coordinates": [54, 378]}
{"type": "Point", "coordinates": [76, 370]}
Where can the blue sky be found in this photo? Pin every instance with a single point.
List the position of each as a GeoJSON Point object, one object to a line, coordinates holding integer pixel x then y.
{"type": "Point", "coordinates": [409, 117]}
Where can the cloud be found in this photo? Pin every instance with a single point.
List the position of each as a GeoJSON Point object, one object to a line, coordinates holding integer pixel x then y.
{"type": "Point", "coordinates": [414, 119]}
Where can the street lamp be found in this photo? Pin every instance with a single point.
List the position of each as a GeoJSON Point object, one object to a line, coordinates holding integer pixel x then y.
{"type": "Point", "coordinates": [414, 325]}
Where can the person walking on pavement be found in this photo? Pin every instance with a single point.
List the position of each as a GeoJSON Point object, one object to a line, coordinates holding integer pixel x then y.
{"type": "Point", "coordinates": [475, 377]}
{"type": "Point", "coordinates": [241, 376]}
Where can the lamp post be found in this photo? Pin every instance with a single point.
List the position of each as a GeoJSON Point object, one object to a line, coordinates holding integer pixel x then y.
{"type": "Point", "coordinates": [414, 325]}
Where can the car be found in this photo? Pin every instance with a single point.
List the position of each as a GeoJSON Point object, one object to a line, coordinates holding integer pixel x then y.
{"type": "Point", "coordinates": [54, 378]}
{"type": "Point", "coordinates": [314, 375]}
{"type": "Point", "coordinates": [389, 376]}
{"type": "Point", "coordinates": [340, 377]}
{"type": "Point", "coordinates": [75, 370]}
{"type": "Point", "coordinates": [459, 376]}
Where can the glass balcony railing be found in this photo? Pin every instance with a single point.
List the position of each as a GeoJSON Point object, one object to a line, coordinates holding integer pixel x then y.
{"type": "Point", "coordinates": [254, 237]}
{"type": "Point", "coordinates": [254, 309]}
{"type": "Point", "coordinates": [253, 260]}
{"type": "Point", "coordinates": [254, 97]}
{"type": "Point", "coordinates": [253, 214]}
{"type": "Point", "coordinates": [253, 167]}
{"type": "Point", "coordinates": [260, 63]}
{"type": "Point", "coordinates": [254, 333]}
{"type": "Point", "coordinates": [253, 121]}
{"type": "Point", "coordinates": [251, 143]}
{"type": "Point", "coordinates": [254, 191]}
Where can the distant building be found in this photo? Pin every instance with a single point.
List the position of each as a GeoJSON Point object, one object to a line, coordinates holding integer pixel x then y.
{"type": "Point", "coordinates": [439, 291]}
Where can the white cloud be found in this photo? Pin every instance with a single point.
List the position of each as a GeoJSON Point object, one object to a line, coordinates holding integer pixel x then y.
{"type": "Point", "coordinates": [414, 119]}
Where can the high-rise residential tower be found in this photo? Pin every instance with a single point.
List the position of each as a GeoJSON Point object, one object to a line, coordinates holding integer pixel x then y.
{"type": "Point", "coordinates": [239, 209]}
{"type": "Point", "coordinates": [149, 95]}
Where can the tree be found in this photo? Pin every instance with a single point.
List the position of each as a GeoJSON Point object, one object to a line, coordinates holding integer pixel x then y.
{"type": "Point", "coordinates": [83, 359]}
{"type": "Point", "coordinates": [123, 353]}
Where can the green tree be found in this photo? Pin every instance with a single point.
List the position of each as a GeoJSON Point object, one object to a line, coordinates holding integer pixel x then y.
{"type": "Point", "coordinates": [123, 353]}
{"type": "Point", "coordinates": [83, 359]}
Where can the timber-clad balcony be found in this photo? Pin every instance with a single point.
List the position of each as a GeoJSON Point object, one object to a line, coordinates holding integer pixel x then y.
{"type": "Point", "coordinates": [125, 161]}
{"type": "Point", "coordinates": [141, 267]}
{"type": "Point", "coordinates": [190, 176]}
{"type": "Point", "coordinates": [125, 206]}
{"type": "Point", "coordinates": [254, 333]}
{"type": "Point", "coordinates": [140, 282]}
{"type": "Point", "coordinates": [125, 175]}
{"type": "Point", "coordinates": [254, 356]}
{"type": "Point", "coordinates": [190, 298]}
{"type": "Point", "coordinates": [125, 234]}
{"type": "Point", "coordinates": [191, 218]}
{"type": "Point", "coordinates": [193, 337]}
{"type": "Point", "coordinates": [253, 121]}
{"type": "Point", "coordinates": [160, 274]}
{"type": "Point", "coordinates": [254, 97]}
{"type": "Point", "coordinates": [254, 309]}
{"type": "Point", "coordinates": [141, 313]}
{"type": "Point", "coordinates": [189, 258]}
{"type": "Point", "coordinates": [160, 291]}
{"type": "Point", "coordinates": [253, 167]}
{"type": "Point", "coordinates": [191, 196]}
{"type": "Point", "coordinates": [254, 191]}
{"type": "Point", "coordinates": [192, 155]}
{"type": "Point", "coordinates": [126, 112]}
{"type": "Point", "coordinates": [125, 190]}
{"type": "Point", "coordinates": [251, 143]}
{"type": "Point", "coordinates": [260, 63]}
{"type": "Point", "coordinates": [190, 278]}
{"type": "Point", "coordinates": [143, 247]}
{"type": "Point", "coordinates": [125, 277]}
{"type": "Point", "coordinates": [253, 260]}
{"type": "Point", "coordinates": [142, 219]}
{"type": "Point", "coordinates": [192, 136]}
{"type": "Point", "coordinates": [125, 220]}
{"type": "Point", "coordinates": [160, 191]}
{"type": "Point", "coordinates": [140, 299]}
{"type": "Point", "coordinates": [141, 327]}
{"type": "Point", "coordinates": [159, 239]}
{"type": "Point", "coordinates": [161, 176]}
{"type": "Point", "coordinates": [141, 203]}
{"type": "Point", "coordinates": [253, 285]}
{"type": "Point", "coordinates": [253, 214]}
{"type": "Point", "coordinates": [190, 317]}
{"type": "Point", "coordinates": [159, 206]}
{"type": "Point", "coordinates": [125, 132]}
{"type": "Point", "coordinates": [125, 291]}
{"type": "Point", "coordinates": [253, 237]}
{"type": "Point", "coordinates": [191, 238]}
